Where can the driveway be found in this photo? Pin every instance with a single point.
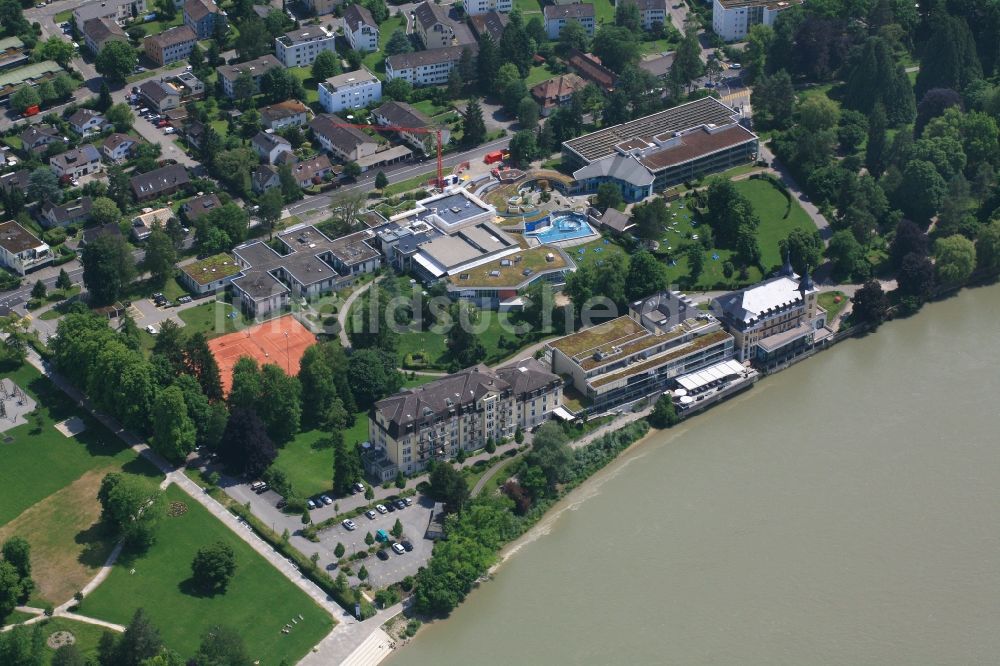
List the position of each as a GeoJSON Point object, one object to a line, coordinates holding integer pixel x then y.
{"type": "Point", "coordinates": [153, 134]}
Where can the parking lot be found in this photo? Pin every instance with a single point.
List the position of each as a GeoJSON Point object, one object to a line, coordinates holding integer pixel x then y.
{"type": "Point", "coordinates": [381, 573]}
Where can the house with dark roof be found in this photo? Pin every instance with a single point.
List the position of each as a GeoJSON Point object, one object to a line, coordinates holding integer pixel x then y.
{"type": "Point", "coordinates": [76, 162]}
{"type": "Point", "coordinates": [311, 171]}
{"type": "Point", "coordinates": [556, 92]}
{"type": "Point", "coordinates": [491, 22]}
{"type": "Point", "coordinates": [269, 146]}
{"type": "Point", "coordinates": [15, 180]}
{"type": "Point", "coordinates": [170, 45]}
{"type": "Point", "coordinates": [589, 67]}
{"type": "Point", "coordinates": [98, 32]}
{"type": "Point", "coordinates": [360, 28]}
{"type": "Point", "coordinates": [426, 68]}
{"type": "Point", "coordinates": [459, 412]}
{"type": "Point", "coordinates": [348, 143]}
{"type": "Point", "coordinates": [433, 25]}
{"type": "Point", "coordinates": [90, 234]}
{"type": "Point", "coordinates": [159, 182]}
{"type": "Point", "coordinates": [85, 121]}
{"type": "Point", "coordinates": [118, 147]}
{"type": "Point", "coordinates": [62, 215]}
{"type": "Point", "coordinates": [20, 250]}
{"type": "Point", "coordinates": [160, 95]}
{"type": "Point", "coordinates": [557, 16]}
{"type": "Point", "coordinates": [194, 132]}
{"type": "Point", "coordinates": [402, 114]}
{"type": "Point", "coordinates": [284, 114]}
{"type": "Point", "coordinates": [203, 204]}
{"type": "Point", "coordinates": [651, 12]}
{"type": "Point", "coordinates": [256, 68]}
{"type": "Point", "coordinates": [36, 137]}
{"type": "Point", "coordinates": [264, 177]}
{"type": "Point", "coordinates": [203, 16]}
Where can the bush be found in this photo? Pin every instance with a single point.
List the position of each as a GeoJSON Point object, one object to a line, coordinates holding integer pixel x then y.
{"type": "Point", "coordinates": [412, 627]}
{"type": "Point", "coordinates": [55, 236]}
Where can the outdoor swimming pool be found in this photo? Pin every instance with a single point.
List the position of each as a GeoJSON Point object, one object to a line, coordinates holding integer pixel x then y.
{"type": "Point", "coordinates": [563, 228]}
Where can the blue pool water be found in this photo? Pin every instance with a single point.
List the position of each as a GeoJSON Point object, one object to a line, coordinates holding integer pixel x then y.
{"type": "Point", "coordinates": [563, 228]}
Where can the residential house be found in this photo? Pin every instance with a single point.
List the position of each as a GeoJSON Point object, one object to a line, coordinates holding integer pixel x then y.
{"type": "Point", "coordinates": [401, 114]}
{"type": "Point", "coordinates": [479, 7]}
{"type": "Point", "coordinates": [589, 67]}
{"type": "Point", "coordinates": [347, 143]}
{"type": "Point", "coordinates": [732, 19]}
{"type": "Point", "coordinates": [255, 68]}
{"type": "Point", "coordinates": [35, 138]}
{"type": "Point", "coordinates": [12, 53]}
{"type": "Point", "coordinates": [264, 177]}
{"type": "Point", "coordinates": [149, 219]}
{"type": "Point", "coordinates": [170, 45]}
{"type": "Point", "coordinates": [76, 162]}
{"type": "Point", "coordinates": [204, 17]}
{"type": "Point", "coordinates": [85, 121]}
{"type": "Point", "coordinates": [556, 16]}
{"type": "Point", "coordinates": [118, 147]}
{"type": "Point", "coordinates": [490, 22]}
{"type": "Point", "coordinates": [189, 86]}
{"type": "Point", "coordinates": [350, 90]}
{"type": "Point", "coordinates": [159, 182]}
{"type": "Point", "coordinates": [433, 26]}
{"type": "Point", "coordinates": [773, 321]}
{"type": "Point", "coordinates": [651, 12]}
{"type": "Point", "coordinates": [98, 32]}
{"type": "Point", "coordinates": [269, 146]}
{"type": "Point", "coordinates": [160, 96]}
{"type": "Point", "coordinates": [284, 114]}
{"type": "Point", "coordinates": [194, 132]}
{"type": "Point", "coordinates": [119, 11]}
{"type": "Point", "coordinates": [15, 180]}
{"type": "Point", "coordinates": [201, 205]}
{"type": "Point", "coordinates": [321, 7]}
{"type": "Point", "coordinates": [20, 250]}
{"type": "Point", "coordinates": [299, 48]}
{"type": "Point", "coordinates": [311, 171]}
{"type": "Point", "coordinates": [457, 413]}
{"type": "Point", "coordinates": [641, 353]}
{"type": "Point", "coordinates": [62, 215]}
{"type": "Point", "coordinates": [90, 234]}
{"type": "Point", "coordinates": [360, 28]}
{"type": "Point", "coordinates": [425, 68]}
{"type": "Point", "coordinates": [556, 92]}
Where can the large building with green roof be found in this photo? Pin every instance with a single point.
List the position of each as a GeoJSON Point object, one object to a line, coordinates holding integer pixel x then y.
{"type": "Point", "coordinates": [33, 74]}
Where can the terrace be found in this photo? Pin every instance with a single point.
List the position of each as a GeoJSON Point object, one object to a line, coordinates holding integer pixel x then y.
{"type": "Point", "coordinates": [696, 345]}
{"type": "Point", "coordinates": [211, 269]}
{"type": "Point", "coordinates": [615, 352]}
{"type": "Point", "coordinates": [511, 271]}
{"type": "Point", "coordinates": [610, 332]}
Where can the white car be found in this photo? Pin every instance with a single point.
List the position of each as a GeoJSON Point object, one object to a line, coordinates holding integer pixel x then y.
{"type": "Point", "coordinates": [349, 525]}
{"type": "Point", "coordinates": [736, 65]}
{"type": "Point", "coordinates": [381, 508]}
{"type": "Point", "coordinates": [169, 130]}
{"type": "Point", "coordinates": [398, 548]}
{"type": "Point", "coordinates": [151, 330]}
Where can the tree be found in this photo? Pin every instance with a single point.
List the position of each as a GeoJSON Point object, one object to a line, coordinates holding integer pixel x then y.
{"type": "Point", "coordinates": [759, 40]}
{"type": "Point", "coordinates": [245, 445]}
{"type": "Point", "coordinates": [573, 36]}
{"type": "Point", "coordinates": [527, 113]}
{"type": "Point", "coordinates": [373, 376]}
{"type": "Point", "coordinates": [916, 277]}
{"type": "Point", "coordinates": [25, 96]}
{"type": "Point", "coordinates": [473, 125]}
{"type": "Point", "coordinates": [39, 290]}
{"type": "Point", "coordinates": [10, 589]}
{"type": "Point", "coordinates": [160, 256]}
{"type": "Point", "coordinates": [609, 195]}
{"type": "Point", "coordinates": [12, 21]}
{"type": "Point", "coordinates": [121, 116]}
{"type": "Point", "coordinates": [551, 455]}
{"type": "Point", "coordinates": [339, 550]}
{"type": "Point", "coordinates": [63, 282]}
{"type": "Point", "coordinates": [397, 529]}
{"type": "Point", "coordinates": [398, 43]}
{"type": "Point", "coordinates": [174, 433]}
{"type": "Point", "coordinates": [369, 539]}
{"type": "Point", "coordinates": [627, 16]}
{"type": "Point", "coordinates": [352, 169]}
{"type": "Point", "coordinates": [773, 100]}
{"type": "Point", "coordinates": [323, 376]}
{"type": "Point", "coordinates": [222, 646]}
{"type": "Point", "coordinates": [200, 363]}
{"type": "Point", "coordinates": [132, 507]}
{"type": "Point", "coordinates": [271, 204]}
{"type": "Point", "coordinates": [243, 89]}
{"type": "Point", "coordinates": [516, 46]}
{"type": "Point", "coordinates": [278, 84]}
{"type": "Point", "coordinates": [664, 414]}
{"type": "Point", "coordinates": [955, 63]}
{"type": "Point", "coordinates": [804, 249]}
{"type": "Point", "coordinates": [254, 40]}
{"type": "Point", "coordinates": [116, 61]}
{"type": "Point", "coordinates": [104, 211]}
{"type": "Point", "coordinates": [847, 255]}
{"type": "Point", "coordinates": [955, 259]}
{"type": "Point", "coordinates": [56, 49]}
{"type": "Point", "coordinates": [921, 190]}
{"type": "Point", "coordinates": [852, 130]}
{"type": "Point", "coordinates": [398, 89]}
{"type": "Point", "coordinates": [346, 465]}
{"type": "Point", "coordinates": [876, 78]}
{"type": "Point", "coordinates": [400, 480]}
{"type": "Point", "coordinates": [381, 180]}
{"type": "Point", "coordinates": [487, 64]}
{"type": "Point", "coordinates": [933, 104]}
{"type": "Point", "coordinates": [522, 147]}
{"type": "Point", "coordinates": [141, 641]}
{"type": "Point", "coordinates": [17, 552]}
{"type": "Point", "coordinates": [325, 65]}
{"type": "Point", "coordinates": [453, 88]}
{"type": "Point", "coordinates": [618, 48]}
{"type": "Point", "coordinates": [988, 248]}
{"type": "Point", "coordinates": [646, 276]}
{"type": "Point", "coordinates": [108, 268]}
{"type": "Point", "coordinates": [119, 187]}
{"type": "Point", "coordinates": [687, 60]}
{"type": "Point", "coordinates": [290, 190]}
{"type": "Point", "coordinates": [362, 573]}
{"type": "Point", "coordinates": [449, 486]}
{"type": "Point", "coordinates": [875, 150]}
{"type": "Point", "coordinates": [213, 567]}
{"type": "Point", "coordinates": [68, 655]}
{"type": "Point", "coordinates": [44, 186]}
{"type": "Point", "coordinates": [871, 305]}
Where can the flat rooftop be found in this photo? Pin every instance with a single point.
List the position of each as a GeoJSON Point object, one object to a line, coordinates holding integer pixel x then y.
{"type": "Point", "coordinates": [620, 329]}
{"type": "Point", "coordinates": [453, 209]}
{"type": "Point", "coordinates": [694, 346]}
{"type": "Point", "coordinates": [770, 4]}
{"type": "Point", "coordinates": [696, 144]}
{"type": "Point", "coordinates": [512, 271]}
{"type": "Point", "coordinates": [601, 143]}
{"type": "Point", "coordinates": [211, 269]}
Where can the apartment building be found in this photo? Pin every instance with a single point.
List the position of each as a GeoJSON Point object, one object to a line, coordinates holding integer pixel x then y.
{"type": "Point", "coordinates": [401, 114]}
{"type": "Point", "coordinates": [350, 90]}
{"type": "Point", "coordinates": [347, 143]}
{"type": "Point", "coordinates": [432, 24]}
{"type": "Point", "coordinates": [119, 11]}
{"type": "Point", "coordinates": [204, 17]}
{"type": "Point", "coordinates": [425, 68]}
{"type": "Point", "coordinates": [360, 29]}
{"type": "Point", "coordinates": [460, 412]}
{"type": "Point", "coordinates": [774, 321]}
{"type": "Point", "coordinates": [475, 7]}
{"type": "Point", "coordinates": [12, 53]}
{"type": "Point", "coordinates": [651, 12]}
{"type": "Point", "coordinates": [284, 114]}
{"type": "Point", "coordinates": [255, 68]}
{"type": "Point", "coordinates": [641, 353]}
{"type": "Point", "coordinates": [299, 48]}
{"type": "Point", "coordinates": [20, 250]}
{"type": "Point", "coordinates": [732, 19]}
{"type": "Point", "coordinates": [557, 16]}
{"type": "Point", "coordinates": [170, 45]}
{"type": "Point", "coordinates": [100, 31]}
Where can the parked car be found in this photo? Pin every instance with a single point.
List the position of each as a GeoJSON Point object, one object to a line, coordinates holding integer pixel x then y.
{"type": "Point", "coordinates": [736, 65]}
{"type": "Point", "coordinates": [184, 299]}
{"type": "Point", "coordinates": [407, 501]}
{"type": "Point", "coordinates": [349, 525]}
{"type": "Point", "coordinates": [255, 485]}
{"type": "Point", "coordinates": [263, 488]}
{"type": "Point", "coordinates": [169, 130]}
{"type": "Point", "coordinates": [381, 508]}
{"type": "Point", "coordinates": [390, 507]}
{"type": "Point", "coordinates": [382, 555]}
{"type": "Point", "coordinates": [359, 487]}
{"type": "Point", "coordinates": [310, 504]}
{"type": "Point", "coordinates": [407, 546]}
{"type": "Point", "coordinates": [282, 503]}
{"type": "Point", "coordinates": [370, 514]}
{"type": "Point", "coordinates": [151, 329]}
{"type": "Point", "coordinates": [382, 535]}
{"type": "Point", "coordinates": [398, 548]}
{"type": "Point", "coordinates": [400, 504]}
{"type": "Point", "coordinates": [326, 500]}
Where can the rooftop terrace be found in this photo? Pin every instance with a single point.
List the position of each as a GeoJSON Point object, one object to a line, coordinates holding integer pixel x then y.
{"type": "Point", "coordinates": [695, 345]}
{"type": "Point", "coordinates": [511, 271]}
{"type": "Point", "coordinates": [211, 269]}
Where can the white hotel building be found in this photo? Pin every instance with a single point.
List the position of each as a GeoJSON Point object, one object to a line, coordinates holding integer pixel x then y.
{"type": "Point", "coordinates": [350, 90]}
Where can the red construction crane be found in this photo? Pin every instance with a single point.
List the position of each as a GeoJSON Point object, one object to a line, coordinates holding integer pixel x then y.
{"type": "Point", "coordinates": [416, 130]}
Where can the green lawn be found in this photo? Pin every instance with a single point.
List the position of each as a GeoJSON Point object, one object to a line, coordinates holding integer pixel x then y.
{"type": "Point", "coordinates": [770, 205]}
{"type": "Point", "coordinates": [537, 74]}
{"type": "Point", "coordinates": [657, 46]}
{"type": "Point", "coordinates": [304, 74]}
{"type": "Point", "coordinates": [528, 6]}
{"type": "Point", "coordinates": [827, 301]}
{"type": "Point", "coordinates": [409, 184]}
{"type": "Point", "coordinates": [307, 464]}
{"type": "Point", "coordinates": [258, 603]}
{"type": "Point", "coordinates": [375, 61]}
{"type": "Point", "coordinates": [156, 27]}
{"type": "Point", "coordinates": [604, 11]}
{"type": "Point", "coordinates": [87, 635]}
{"type": "Point", "coordinates": [63, 16]}
{"type": "Point", "coordinates": [40, 460]}
{"type": "Point", "coordinates": [210, 318]}
{"type": "Point", "coordinates": [429, 108]}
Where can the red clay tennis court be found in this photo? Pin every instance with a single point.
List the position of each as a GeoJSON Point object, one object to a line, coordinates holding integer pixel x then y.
{"type": "Point", "coordinates": [281, 341]}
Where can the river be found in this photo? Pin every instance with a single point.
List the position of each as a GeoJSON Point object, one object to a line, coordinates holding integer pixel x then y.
{"type": "Point", "coordinates": [844, 511]}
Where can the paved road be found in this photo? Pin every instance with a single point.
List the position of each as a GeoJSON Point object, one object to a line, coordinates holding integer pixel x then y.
{"type": "Point", "coordinates": [345, 309]}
